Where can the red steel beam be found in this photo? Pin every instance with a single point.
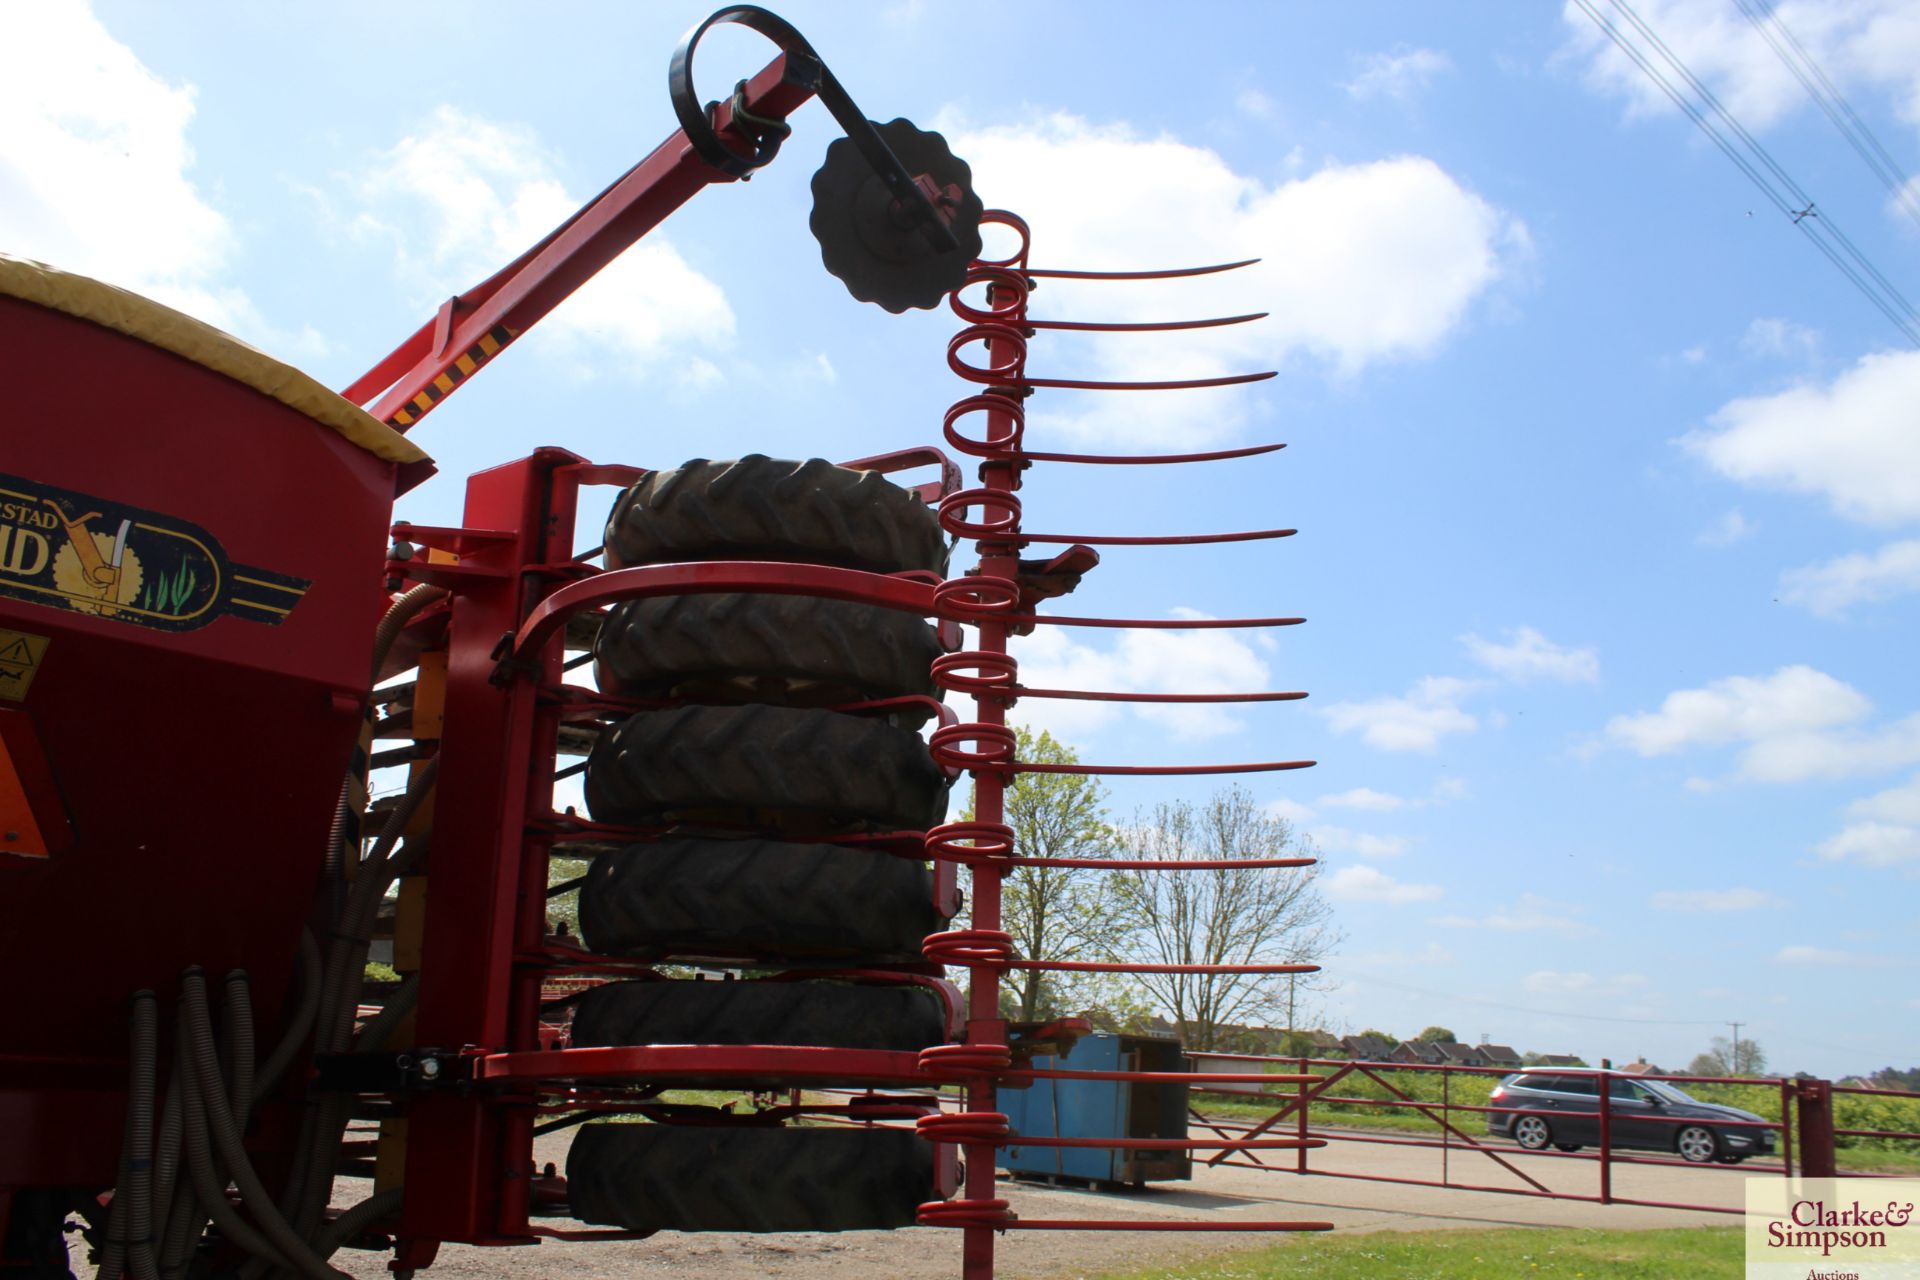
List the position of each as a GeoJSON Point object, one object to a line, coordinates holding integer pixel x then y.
{"type": "Point", "coordinates": [469, 330]}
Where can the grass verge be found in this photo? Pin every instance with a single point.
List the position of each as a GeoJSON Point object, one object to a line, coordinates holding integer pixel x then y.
{"type": "Point", "coordinates": [1701, 1253]}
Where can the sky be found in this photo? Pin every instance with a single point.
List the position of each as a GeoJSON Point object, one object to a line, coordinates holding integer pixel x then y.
{"type": "Point", "coordinates": [1607, 482]}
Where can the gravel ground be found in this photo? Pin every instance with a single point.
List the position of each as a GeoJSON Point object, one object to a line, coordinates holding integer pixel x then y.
{"type": "Point", "coordinates": [1214, 1193]}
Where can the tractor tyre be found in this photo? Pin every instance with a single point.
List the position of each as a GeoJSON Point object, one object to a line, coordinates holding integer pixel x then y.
{"type": "Point", "coordinates": [662, 1177]}
{"type": "Point", "coordinates": [793, 650]}
{"type": "Point", "coordinates": [902, 1018]}
{"type": "Point", "coordinates": [766, 899]}
{"type": "Point", "coordinates": [760, 508]}
{"type": "Point", "coordinates": [780, 766]}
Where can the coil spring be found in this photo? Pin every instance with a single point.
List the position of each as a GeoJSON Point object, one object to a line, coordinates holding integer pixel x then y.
{"type": "Point", "coordinates": [993, 749]}
{"type": "Point", "coordinates": [961, 1061]}
{"type": "Point", "coordinates": [977, 671]}
{"type": "Point", "coordinates": [990, 516]}
{"type": "Point", "coordinates": [986, 842]}
{"type": "Point", "coordinates": [996, 1214]}
{"type": "Point", "coordinates": [979, 1127]}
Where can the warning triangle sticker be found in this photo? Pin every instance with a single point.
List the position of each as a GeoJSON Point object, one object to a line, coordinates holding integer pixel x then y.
{"type": "Point", "coordinates": [15, 652]}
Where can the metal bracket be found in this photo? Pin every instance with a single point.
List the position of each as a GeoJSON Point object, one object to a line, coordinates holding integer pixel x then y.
{"type": "Point", "coordinates": [697, 119]}
{"type": "Point", "coordinates": [408, 1072]}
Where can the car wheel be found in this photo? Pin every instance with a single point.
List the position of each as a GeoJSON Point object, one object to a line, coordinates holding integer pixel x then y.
{"type": "Point", "coordinates": [1697, 1144]}
{"type": "Point", "coordinates": [1532, 1133]}
{"type": "Point", "coordinates": [1566, 1146]}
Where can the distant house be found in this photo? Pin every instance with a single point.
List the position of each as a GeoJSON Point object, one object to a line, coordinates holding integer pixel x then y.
{"type": "Point", "coordinates": [1453, 1053]}
{"type": "Point", "coordinates": [1640, 1067]}
{"type": "Point", "coordinates": [1419, 1053]}
{"type": "Point", "coordinates": [1499, 1055]}
{"type": "Point", "coordinates": [1558, 1060]}
{"type": "Point", "coordinates": [1366, 1048]}
{"type": "Point", "coordinates": [1324, 1043]}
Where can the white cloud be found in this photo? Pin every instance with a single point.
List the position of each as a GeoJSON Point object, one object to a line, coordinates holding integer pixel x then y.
{"type": "Point", "coordinates": [1728, 529]}
{"type": "Point", "coordinates": [1801, 954]}
{"type": "Point", "coordinates": [1895, 804]}
{"type": "Point", "coordinates": [1416, 722]}
{"type": "Point", "coordinates": [1555, 982]}
{"type": "Point", "coordinates": [1252, 102]}
{"type": "Point", "coordinates": [1138, 662]}
{"type": "Point", "coordinates": [1290, 811]}
{"type": "Point", "coordinates": [1361, 883]}
{"type": "Point", "coordinates": [1871, 43]}
{"type": "Point", "coordinates": [1364, 798]}
{"type": "Point", "coordinates": [1860, 577]}
{"type": "Point", "coordinates": [1450, 789]}
{"type": "Point", "coordinates": [1744, 707]}
{"type": "Point", "coordinates": [1531, 914]}
{"type": "Point", "coordinates": [1528, 654]}
{"type": "Point", "coordinates": [1714, 900]}
{"type": "Point", "coordinates": [94, 169]}
{"type": "Point", "coordinates": [1850, 441]}
{"type": "Point", "coordinates": [1873, 844]}
{"type": "Point", "coordinates": [464, 193]}
{"type": "Point", "coordinates": [1793, 725]}
{"type": "Point", "coordinates": [1363, 843]}
{"type": "Point", "coordinates": [1773, 338]}
{"type": "Point", "coordinates": [1401, 252]}
{"type": "Point", "coordinates": [1399, 73]}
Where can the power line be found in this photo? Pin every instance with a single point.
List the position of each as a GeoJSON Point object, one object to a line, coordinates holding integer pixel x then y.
{"type": "Point", "coordinates": [1813, 78]}
{"type": "Point", "coordinates": [1892, 305]}
{"type": "Point", "coordinates": [1800, 198]}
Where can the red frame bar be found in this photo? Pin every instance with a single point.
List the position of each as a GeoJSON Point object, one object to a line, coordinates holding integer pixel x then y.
{"type": "Point", "coordinates": [411, 380]}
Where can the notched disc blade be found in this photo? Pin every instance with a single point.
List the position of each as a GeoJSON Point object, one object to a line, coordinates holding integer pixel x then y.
{"type": "Point", "coordinates": [863, 242]}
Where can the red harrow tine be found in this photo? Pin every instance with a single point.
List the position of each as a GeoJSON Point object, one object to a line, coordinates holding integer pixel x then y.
{"type": "Point", "coordinates": [1171, 273]}
{"type": "Point", "coordinates": [992, 598]}
{"type": "Point", "coordinates": [1010, 446]}
{"type": "Point", "coordinates": [996, 374]}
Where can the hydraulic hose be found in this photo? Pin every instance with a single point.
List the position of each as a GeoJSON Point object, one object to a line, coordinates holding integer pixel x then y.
{"type": "Point", "coordinates": [299, 1025]}
{"type": "Point", "coordinates": [177, 1216]}
{"type": "Point", "coordinates": [139, 1184]}
{"type": "Point", "coordinates": [216, 1118]}
{"type": "Point", "coordinates": [339, 992]}
{"type": "Point", "coordinates": [166, 1159]}
{"type": "Point", "coordinates": [208, 1187]}
{"type": "Point", "coordinates": [239, 992]}
{"type": "Point", "coordinates": [357, 1219]}
{"type": "Point", "coordinates": [373, 1036]}
{"type": "Point", "coordinates": [397, 616]}
{"type": "Point", "coordinates": [130, 1218]}
{"type": "Point", "coordinates": [307, 1191]}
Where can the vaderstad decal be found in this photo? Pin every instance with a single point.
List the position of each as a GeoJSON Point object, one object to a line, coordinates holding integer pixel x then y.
{"type": "Point", "coordinates": [92, 555]}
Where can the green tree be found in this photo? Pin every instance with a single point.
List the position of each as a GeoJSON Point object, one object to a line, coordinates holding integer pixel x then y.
{"type": "Point", "coordinates": [1437, 1035]}
{"type": "Point", "coordinates": [1227, 915]}
{"type": "Point", "coordinates": [1057, 913]}
{"type": "Point", "coordinates": [1723, 1058]}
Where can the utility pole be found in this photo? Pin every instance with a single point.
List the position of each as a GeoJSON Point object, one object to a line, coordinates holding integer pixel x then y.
{"type": "Point", "coordinates": [1733, 1067]}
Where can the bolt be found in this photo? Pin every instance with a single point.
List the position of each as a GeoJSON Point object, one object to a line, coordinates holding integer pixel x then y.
{"type": "Point", "coordinates": [430, 1069]}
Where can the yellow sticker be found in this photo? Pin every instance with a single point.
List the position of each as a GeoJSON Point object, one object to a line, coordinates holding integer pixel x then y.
{"type": "Point", "coordinates": [20, 656]}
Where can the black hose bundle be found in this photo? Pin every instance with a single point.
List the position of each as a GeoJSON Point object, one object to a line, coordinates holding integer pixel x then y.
{"type": "Point", "coordinates": [157, 1216]}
